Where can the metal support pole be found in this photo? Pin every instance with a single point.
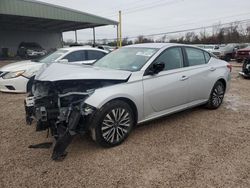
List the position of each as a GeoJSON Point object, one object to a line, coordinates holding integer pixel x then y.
{"type": "Point", "coordinates": [75, 36]}
{"type": "Point", "coordinates": [117, 40]}
{"type": "Point", "coordinates": [62, 42]}
{"type": "Point", "coordinates": [93, 37]}
{"type": "Point", "coordinates": [120, 28]}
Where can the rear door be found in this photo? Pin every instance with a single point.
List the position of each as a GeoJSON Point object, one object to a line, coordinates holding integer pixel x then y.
{"type": "Point", "coordinates": [200, 74]}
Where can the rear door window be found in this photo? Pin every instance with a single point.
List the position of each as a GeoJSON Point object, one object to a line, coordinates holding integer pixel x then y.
{"type": "Point", "coordinates": [207, 56]}
{"type": "Point", "coordinates": [76, 56]}
{"type": "Point", "coordinates": [195, 56]}
{"type": "Point", "coordinates": [94, 55]}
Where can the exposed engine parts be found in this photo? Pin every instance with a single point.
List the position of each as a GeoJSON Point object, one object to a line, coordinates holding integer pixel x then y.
{"type": "Point", "coordinates": [61, 108]}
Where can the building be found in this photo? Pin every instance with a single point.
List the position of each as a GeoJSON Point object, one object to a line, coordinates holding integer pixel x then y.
{"type": "Point", "coordinates": [34, 21]}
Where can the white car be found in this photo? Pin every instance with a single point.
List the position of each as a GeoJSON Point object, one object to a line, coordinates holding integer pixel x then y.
{"type": "Point", "coordinates": [15, 76]}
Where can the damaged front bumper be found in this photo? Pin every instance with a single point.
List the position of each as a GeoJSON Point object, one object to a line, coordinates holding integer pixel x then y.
{"type": "Point", "coordinates": [63, 119]}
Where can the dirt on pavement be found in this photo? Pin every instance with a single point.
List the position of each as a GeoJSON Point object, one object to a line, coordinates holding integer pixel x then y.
{"type": "Point", "coordinates": [194, 148]}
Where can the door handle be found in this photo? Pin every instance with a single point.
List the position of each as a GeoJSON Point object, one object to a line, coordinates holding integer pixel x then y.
{"type": "Point", "coordinates": [184, 78]}
{"type": "Point", "coordinates": [212, 69]}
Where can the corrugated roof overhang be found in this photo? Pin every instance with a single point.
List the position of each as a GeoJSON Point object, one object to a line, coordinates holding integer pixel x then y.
{"type": "Point", "coordinates": [37, 16]}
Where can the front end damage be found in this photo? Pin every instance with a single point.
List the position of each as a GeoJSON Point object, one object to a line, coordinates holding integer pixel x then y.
{"type": "Point", "coordinates": [60, 108]}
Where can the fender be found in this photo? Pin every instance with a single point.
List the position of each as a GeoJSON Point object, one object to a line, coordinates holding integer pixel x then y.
{"type": "Point", "coordinates": [103, 95]}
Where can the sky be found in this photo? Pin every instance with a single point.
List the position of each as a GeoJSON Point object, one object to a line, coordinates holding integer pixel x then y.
{"type": "Point", "coordinates": [144, 17]}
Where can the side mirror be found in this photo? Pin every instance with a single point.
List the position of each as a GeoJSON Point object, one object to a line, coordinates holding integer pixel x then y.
{"type": "Point", "coordinates": [156, 68]}
{"type": "Point", "coordinates": [63, 61]}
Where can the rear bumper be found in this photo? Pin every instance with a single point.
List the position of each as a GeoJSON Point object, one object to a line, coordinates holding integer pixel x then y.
{"type": "Point", "coordinates": [244, 75]}
{"type": "Point", "coordinates": [241, 57]}
{"type": "Point", "coordinates": [14, 85]}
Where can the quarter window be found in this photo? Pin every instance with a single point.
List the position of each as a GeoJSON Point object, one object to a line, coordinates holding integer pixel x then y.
{"type": "Point", "coordinates": [195, 56]}
{"type": "Point", "coordinates": [207, 56]}
{"type": "Point", "coordinates": [172, 58]}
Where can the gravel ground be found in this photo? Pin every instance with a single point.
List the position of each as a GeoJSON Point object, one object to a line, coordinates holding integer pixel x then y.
{"type": "Point", "coordinates": [194, 148]}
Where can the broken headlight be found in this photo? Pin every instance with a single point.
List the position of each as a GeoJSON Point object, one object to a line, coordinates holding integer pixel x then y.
{"type": "Point", "coordinates": [88, 109]}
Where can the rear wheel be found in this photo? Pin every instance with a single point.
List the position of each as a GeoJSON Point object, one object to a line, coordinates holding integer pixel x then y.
{"type": "Point", "coordinates": [114, 122]}
{"type": "Point", "coordinates": [216, 96]}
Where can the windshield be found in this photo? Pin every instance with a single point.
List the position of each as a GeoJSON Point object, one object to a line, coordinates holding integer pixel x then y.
{"type": "Point", "coordinates": [52, 57]}
{"type": "Point", "coordinates": [129, 59]}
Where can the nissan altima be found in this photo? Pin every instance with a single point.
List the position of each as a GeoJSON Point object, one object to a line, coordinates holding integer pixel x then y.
{"type": "Point", "coordinates": [131, 85]}
{"type": "Point", "coordinates": [15, 76]}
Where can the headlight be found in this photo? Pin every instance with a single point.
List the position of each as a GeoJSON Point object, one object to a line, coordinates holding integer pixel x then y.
{"type": "Point", "coordinates": [222, 53]}
{"type": "Point", "coordinates": [29, 73]}
{"type": "Point", "coordinates": [13, 74]}
{"type": "Point", "coordinates": [87, 109]}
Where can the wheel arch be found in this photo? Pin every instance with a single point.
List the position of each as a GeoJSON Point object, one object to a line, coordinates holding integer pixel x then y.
{"type": "Point", "coordinates": [223, 81]}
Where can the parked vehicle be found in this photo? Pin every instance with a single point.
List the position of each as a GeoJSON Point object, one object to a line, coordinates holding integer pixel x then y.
{"type": "Point", "coordinates": [210, 47]}
{"type": "Point", "coordinates": [15, 76]}
{"type": "Point", "coordinates": [242, 54]}
{"type": "Point", "coordinates": [30, 50]}
{"type": "Point", "coordinates": [75, 44]}
{"type": "Point", "coordinates": [107, 48]}
{"type": "Point", "coordinates": [245, 68]}
{"type": "Point", "coordinates": [227, 52]}
{"type": "Point", "coordinates": [207, 47]}
{"type": "Point", "coordinates": [131, 85]}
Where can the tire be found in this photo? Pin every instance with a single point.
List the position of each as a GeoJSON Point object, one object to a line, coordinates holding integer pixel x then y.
{"type": "Point", "coordinates": [113, 123]}
{"type": "Point", "coordinates": [239, 60]}
{"type": "Point", "coordinates": [245, 68]}
{"type": "Point", "coordinates": [216, 96]}
{"type": "Point", "coordinates": [227, 58]}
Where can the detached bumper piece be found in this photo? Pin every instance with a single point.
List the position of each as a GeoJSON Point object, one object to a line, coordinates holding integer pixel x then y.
{"type": "Point", "coordinates": [64, 140]}
{"type": "Point", "coordinates": [29, 109]}
{"type": "Point", "coordinates": [63, 121]}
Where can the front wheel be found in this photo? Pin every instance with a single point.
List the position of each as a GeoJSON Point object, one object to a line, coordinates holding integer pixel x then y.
{"type": "Point", "coordinates": [114, 122]}
{"type": "Point", "coordinates": [216, 96]}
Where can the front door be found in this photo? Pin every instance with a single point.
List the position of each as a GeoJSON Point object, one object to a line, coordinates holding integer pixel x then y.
{"type": "Point", "coordinates": [168, 88]}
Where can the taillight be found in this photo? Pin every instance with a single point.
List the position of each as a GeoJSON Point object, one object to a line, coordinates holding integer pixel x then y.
{"type": "Point", "coordinates": [230, 67]}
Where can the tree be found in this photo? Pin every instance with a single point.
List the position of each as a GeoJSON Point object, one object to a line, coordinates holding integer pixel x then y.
{"type": "Point", "coordinates": [142, 39]}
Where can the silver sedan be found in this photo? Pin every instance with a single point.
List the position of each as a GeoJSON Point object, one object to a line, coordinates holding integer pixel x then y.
{"type": "Point", "coordinates": [129, 86]}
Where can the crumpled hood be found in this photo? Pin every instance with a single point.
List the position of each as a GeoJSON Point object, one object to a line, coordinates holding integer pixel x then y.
{"type": "Point", "coordinates": [61, 71]}
{"type": "Point", "coordinates": [21, 65]}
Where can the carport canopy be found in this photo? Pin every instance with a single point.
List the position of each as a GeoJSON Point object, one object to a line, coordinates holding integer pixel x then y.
{"type": "Point", "coordinates": [30, 15]}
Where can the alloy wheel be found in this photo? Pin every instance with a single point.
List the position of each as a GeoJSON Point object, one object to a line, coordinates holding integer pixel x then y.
{"type": "Point", "coordinates": [116, 125]}
{"type": "Point", "coordinates": [218, 95]}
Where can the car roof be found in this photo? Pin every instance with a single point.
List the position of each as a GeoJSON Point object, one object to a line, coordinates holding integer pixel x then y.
{"type": "Point", "coordinates": [151, 45]}
{"type": "Point", "coordinates": [75, 48]}
{"type": "Point", "coordinates": [157, 45]}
